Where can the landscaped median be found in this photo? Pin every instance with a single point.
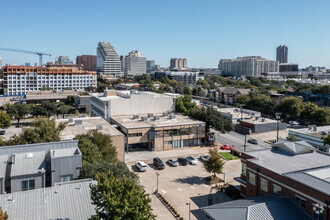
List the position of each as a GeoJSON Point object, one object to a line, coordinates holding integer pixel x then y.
{"type": "Point", "coordinates": [228, 156]}
{"type": "Point", "coordinates": [168, 206]}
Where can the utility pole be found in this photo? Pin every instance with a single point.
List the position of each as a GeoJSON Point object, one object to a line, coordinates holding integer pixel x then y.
{"type": "Point", "coordinates": [278, 118]}
{"type": "Point", "coordinates": [188, 204]}
{"type": "Point", "coordinates": [157, 182]}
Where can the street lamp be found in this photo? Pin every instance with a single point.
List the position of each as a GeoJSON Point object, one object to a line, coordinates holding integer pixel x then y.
{"type": "Point", "coordinates": [188, 204]}
{"type": "Point", "coordinates": [157, 182]}
{"type": "Point", "coordinates": [278, 118]}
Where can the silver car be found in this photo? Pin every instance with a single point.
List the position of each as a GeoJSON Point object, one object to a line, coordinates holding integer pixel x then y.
{"type": "Point", "coordinates": [191, 160]}
{"type": "Point", "coordinates": [173, 162]}
{"type": "Point", "coordinates": [205, 157]}
{"type": "Point", "coordinates": [141, 166]}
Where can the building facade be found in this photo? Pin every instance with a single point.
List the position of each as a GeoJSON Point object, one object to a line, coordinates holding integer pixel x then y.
{"type": "Point", "coordinates": [108, 61]}
{"type": "Point", "coordinates": [288, 67]}
{"type": "Point", "coordinates": [64, 60]}
{"type": "Point", "coordinates": [18, 80]}
{"type": "Point", "coordinates": [150, 65]}
{"type": "Point", "coordinates": [178, 63]}
{"type": "Point", "coordinates": [88, 62]}
{"type": "Point", "coordinates": [0, 62]}
{"type": "Point", "coordinates": [135, 64]}
{"type": "Point", "coordinates": [282, 54]}
{"type": "Point", "coordinates": [290, 169]}
{"type": "Point", "coordinates": [251, 66]}
{"type": "Point", "coordinates": [185, 77]}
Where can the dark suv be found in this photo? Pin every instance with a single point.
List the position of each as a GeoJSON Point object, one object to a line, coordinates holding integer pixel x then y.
{"type": "Point", "coordinates": [159, 163]}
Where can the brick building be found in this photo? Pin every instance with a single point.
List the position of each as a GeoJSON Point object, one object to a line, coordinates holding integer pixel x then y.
{"type": "Point", "coordinates": [88, 62]}
{"type": "Point", "coordinates": [292, 169]}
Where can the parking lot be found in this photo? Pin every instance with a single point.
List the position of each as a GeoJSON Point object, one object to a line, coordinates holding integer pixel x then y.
{"type": "Point", "coordinates": [185, 184]}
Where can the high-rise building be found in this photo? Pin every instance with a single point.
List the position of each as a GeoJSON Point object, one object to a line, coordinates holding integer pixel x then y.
{"type": "Point", "coordinates": [251, 66]}
{"type": "Point", "coordinates": [282, 54]}
{"type": "Point", "coordinates": [288, 67]}
{"type": "Point", "coordinates": [107, 60]}
{"type": "Point", "coordinates": [64, 60]}
{"type": "Point", "coordinates": [178, 63]}
{"type": "Point", "coordinates": [150, 65]}
{"type": "Point", "coordinates": [0, 63]}
{"type": "Point", "coordinates": [88, 62]}
{"type": "Point", "coordinates": [135, 64]}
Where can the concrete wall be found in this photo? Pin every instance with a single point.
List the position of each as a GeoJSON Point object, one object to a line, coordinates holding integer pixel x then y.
{"type": "Point", "coordinates": [2, 185]}
{"type": "Point", "coordinates": [119, 143]}
{"type": "Point", "coordinates": [16, 182]}
{"type": "Point", "coordinates": [65, 166]}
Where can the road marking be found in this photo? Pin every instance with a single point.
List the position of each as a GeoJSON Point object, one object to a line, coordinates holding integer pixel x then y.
{"type": "Point", "coordinates": [192, 187]}
{"type": "Point", "coordinates": [179, 189]}
{"type": "Point", "coordinates": [163, 191]}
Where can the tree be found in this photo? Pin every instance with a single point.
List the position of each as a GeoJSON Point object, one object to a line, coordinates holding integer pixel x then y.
{"type": "Point", "coordinates": [63, 109]}
{"type": "Point", "coordinates": [322, 116]}
{"type": "Point", "coordinates": [309, 110]}
{"type": "Point", "coordinates": [215, 163]}
{"type": "Point", "coordinates": [292, 138]}
{"type": "Point", "coordinates": [120, 198]}
{"type": "Point", "coordinates": [48, 109]}
{"type": "Point", "coordinates": [326, 140]}
{"type": "Point", "coordinates": [70, 100]}
{"type": "Point", "coordinates": [5, 120]}
{"type": "Point", "coordinates": [243, 99]}
{"type": "Point", "coordinates": [187, 90]}
{"type": "Point", "coordinates": [184, 104]}
{"type": "Point", "coordinates": [261, 103]}
{"type": "Point", "coordinates": [18, 111]}
{"type": "Point", "coordinates": [290, 107]}
{"type": "Point", "coordinates": [3, 215]}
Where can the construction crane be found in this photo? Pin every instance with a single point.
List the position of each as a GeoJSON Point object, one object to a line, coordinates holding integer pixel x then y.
{"type": "Point", "coordinates": [40, 54]}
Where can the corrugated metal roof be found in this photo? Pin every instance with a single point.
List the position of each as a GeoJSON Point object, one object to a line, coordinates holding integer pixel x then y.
{"type": "Point", "coordinates": [3, 165]}
{"type": "Point", "coordinates": [68, 201]}
{"type": "Point", "coordinates": [265, 207]}
{"type": "Point", "coordinates": [28, 163]}
{"type": "Point", "coordinates": [65, 152]}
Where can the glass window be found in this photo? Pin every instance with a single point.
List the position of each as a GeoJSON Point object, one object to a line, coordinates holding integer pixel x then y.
{"type": "Point", "coordinates": [277, 189]}
{"type": "Point", "coordinates": [263, 184]}
{"type": "Point", "coordinates": [252, 178]}
{"type": "Point", "coordinates": [184, 131]}
{"type": "Point", "coordinates": [176, 132]}
{"type": "Point", "coordinates": [318, 211]}
{"type": "Point", "coordinates": [66, 178]}
{"type": "Point", "coordinates": [301, 201]}
{"type": "Point", "coordinates": [159, 134]}
{"type": "Point", "coordinates": [167, 133]}
{"type": "Point", "coordinates": [244, 169]}
{"type": "Point", "coordinates": [167, 142]}
{"type": "Point", "coordinates": [135, 135]}
{"type": "Point", "coordinates": [28, 185]}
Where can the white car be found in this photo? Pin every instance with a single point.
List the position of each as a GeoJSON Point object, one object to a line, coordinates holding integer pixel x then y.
{"type": "Point", "coordinates": [142, 166]}
{"type": "Point", "coordinates": [191, 160]}
{"type": "Point", "coordinates": [173, 162]}
{"type": "Point", "coordinates": [293, 123]}
{"type": "Point", "coordinates": [205, 157]}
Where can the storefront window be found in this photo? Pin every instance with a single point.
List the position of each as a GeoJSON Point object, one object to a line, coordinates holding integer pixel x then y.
{"type": "Point", "coordinates": [277, 189]}
{"type": "Point", "coordinates": [252, 178]}
{"type": "Point", "coordinates": [318, 211]}
{"type": "Point", "coordinates": [159, 134]}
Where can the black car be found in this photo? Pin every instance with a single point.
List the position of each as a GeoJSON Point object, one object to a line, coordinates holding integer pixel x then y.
{"type": "Point", "coordinates": [253, 141]}
{"type": "Point", "coordinates": [2, 132]}
{"type": "Point", "coordinates": [183, 161]}
{"type": "Point", "coordinates": [159, 163]}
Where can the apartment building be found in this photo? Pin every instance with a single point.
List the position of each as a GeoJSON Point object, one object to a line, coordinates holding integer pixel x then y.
{"type": "Point", "coordinates": [282, 54]}
{"type": "Point", "coordinates": [159, 132]}
{"type": "Point", "coordinates": [135, 64]}
{"type": "Point", "coordinates": [113, 103]}
{"type": "Point", "coordinates": [87, 61]}
{"type": "Point", "coordinates": [292, 169]}
{"type": "Point", "coordinates": [18, 80]}
{"type": "Point", "coordinates": [33, 166]}
{"type": "Point", "coordinates": [179, 76]}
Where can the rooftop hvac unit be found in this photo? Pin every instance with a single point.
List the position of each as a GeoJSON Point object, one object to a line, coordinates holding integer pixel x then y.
{"type": "Point", "coordinates": [99, 127]}
{"type": "Point", "coordinates": [143, 118]}
{"type": "Point", "coordinates": [156, 117]}
{"type": "Point", "coordinates": [78, 122]}
{"type": "Point", "coordinates": [70, 120]}
{"type": "Point", "coordinates": [150, 115]}
{"type": "Point", "coordinates": [135, 116]}
{"type": "Point", "coordinates": [172, 116]}
{"type": "Point", "coordinates": [165, 113]}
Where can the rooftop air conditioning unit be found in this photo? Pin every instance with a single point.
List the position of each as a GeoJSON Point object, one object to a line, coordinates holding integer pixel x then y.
{"type": "Point", "coordinates": [143, 118]}
{"type": "Point", "coordinates": [78, 122]}
{"type": "Point", "coordinates": [135, 116]}
{"type": "Point", "coordinates": [156, 117]}
{"type": "Point", "coordinates": [165, 114]}
{"type": "Point", "coordinates": [172, 116]}
{"type": "Point", "coordinates": [150, 115]}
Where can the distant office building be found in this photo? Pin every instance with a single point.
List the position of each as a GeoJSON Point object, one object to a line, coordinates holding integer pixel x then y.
{"type": "Point", "coordinates": [150, 65]}
{"type": "Point", "coordinates": [122, 61]}
{"type": "Point", "coordinates": [18, 80]}
{"type": "Point", "coordinates": [135, 64]}
{"type": "Point", "coordinates": [88, 62]}
{"type": "Point", "coordinates": [0, 63]}
{"type": "Point", "coordinates": [108, 61]}
{"type": "Point", "coordinates": [287, 67]}
{"type": "Point", "coordinates": [35, 64]}
{"type": "Point", "coordinates": [282, 54]}
{"type": "Point", "coordinates": [27, 64]}
{"type": "Point", "coordinates": [178, 63]}
{"type": "Point", "coordinates": [64, 60]}
{"type": "Point", "coordinates": [250, 66]}
{"type": "Point", "coordinates": [315, 69]}
{"type": "Point", "coordinates": [185, 77]}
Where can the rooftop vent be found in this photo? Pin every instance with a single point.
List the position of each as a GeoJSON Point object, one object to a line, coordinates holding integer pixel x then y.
{"type": "Point", "coordinates": [28, 155]}
{"type": "Point", "coordinates": [135, 116]}
{"type": "Point", "coordinates": [150, 115]}
{"type": "Point", "coordinates": [165, 113]}
{"type": "Point", "coordinates": [99, 127]}
{"type": "Point", "coordinates": [143, 118]}
{"type": "Point", "coordinates": [156, 117]}
{"type": "Point", "coordinates": [172, 116]}
{"type": "Point", "coordinates": [70, 120]}
{"type": "Point", "coordinates": [312, 128]}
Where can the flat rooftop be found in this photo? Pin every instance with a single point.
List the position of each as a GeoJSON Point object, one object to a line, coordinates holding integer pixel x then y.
{"type": "Point", "coordinates": [314, 133]}
{"type": "Point", "coordinates": [164, 121]}
{"type": "Point", "coordinates": [65, 152]}
{"type": "Point", "coordinates": [84, 125]}
{"type": "Point", "coordinates": [28, 163]}
{"type": "Point", "coordinates": [70, 200]}
{"type": "Point", "coordinates": [3, 161]}
{"type": "Point", "coordinates": [37, 95]}
{"type": "Point", "coordinates": [123, 94]}
{"type": "Point", "coordinates": [259, 120]}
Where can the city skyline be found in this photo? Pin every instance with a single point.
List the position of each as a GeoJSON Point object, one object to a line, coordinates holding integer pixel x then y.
{"type": "Point", "coordinates": [204, 34]}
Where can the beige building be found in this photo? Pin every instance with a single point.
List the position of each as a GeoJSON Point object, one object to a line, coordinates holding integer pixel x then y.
{"type": "Point", "coordinates": [78, 126]}
{"type": "Point", "coordinates": [160, 132]}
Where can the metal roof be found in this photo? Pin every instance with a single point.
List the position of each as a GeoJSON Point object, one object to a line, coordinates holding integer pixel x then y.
{"type": "Point", "coordinates": [265, 207]}
{"type": "Point", "coordinates": [294, 147]}
{"type": "Point", "coordinates": [68, 201]}
{"type": "Point", "coordinates": [28, 163]}
{"type": "Point", "coordinates": [65, 152]}
{"type": "Point", "coordinates": [3, 165]}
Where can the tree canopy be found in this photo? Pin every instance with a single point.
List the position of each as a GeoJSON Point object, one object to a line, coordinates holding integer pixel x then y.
{"type": "Point", "coordinates": [215, 163]}
{"type": "Point", "coordinates": [5, 120]}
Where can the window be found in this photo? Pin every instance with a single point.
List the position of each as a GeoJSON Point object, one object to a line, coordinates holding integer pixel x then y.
{"type": "Point", "coordinates": [277, 189]}
{"type": "Point", "coordinates": [263, 184]}
{"type": "Point", "coordinates": [135, 135]}
{"type": "Point", "coordinates": [318, 211]}
{"type": "Point", "coordinates": [28, 185]}
{"type": "Point", "coordinates": [244, 169]}
{"type": "Point", "coordinates": [301, 201]}
{"type": "Point", "coordinates": [158, 134]}
{"type": "Point", "coordinates": [167, 142]}
{"type": "Point", "coordinates": [252, 178]}
{"type": "Point", "coordinates": [66, 178]}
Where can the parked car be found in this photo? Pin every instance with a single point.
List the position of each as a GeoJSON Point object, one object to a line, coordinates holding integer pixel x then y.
{"type": "Point", "coordinates": [2, 132]}
{"type": "Point", "coordinates": [159, 163]}
{"type": "Point", "coordinates": [141, 166]}
{"type": "Point", "coordinates": [226, 147]}
{"type": "Point", "coordinates": [205, 157]}
{"type": "Point", "coordinates": [293, 123]}
{"type": "Point", "coordinates": [173, 162]}
{"type": "Point", "coordinates": [253, 141]}
{"type": "Point", "coordinates": [191, 160]}
{"type": "Point", "coordinates": [183, 161]}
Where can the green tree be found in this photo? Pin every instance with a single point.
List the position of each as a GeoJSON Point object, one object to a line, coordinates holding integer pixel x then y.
{"type": "Point", "coordinates": [261, 103]}
{"type": "Point", "coordinates": [63, 109]}
{"type": "Point", "coordinates": [194, 91]}
{"type": "Point", "coordinates": [48, 109]}
{"type": "Point", "coordinates": [187, 90]}
{"type": "Point", "coordinates": [45, 88]}
{"type": "Point", "coordinates": [120, 198]}
{"type": "Point", "coordinates": [309, 110]}
{"type": "Point", "coordinates": [5, 120]}
{"type": "Point", "coordinates": [70, 100]}
{"type": "Point", "coordinates": [326, 140]}
{"type": "Point", "coordinates": [3, 215]}
{"type": "Point", "coordinates": [243, 99]}
{"type": "Point", "coordinates": [292, 138]}
{"type": "Point", "coordinates": [291, 107]}
{"type": "Point", "coordinates": [184, 104]}
{"type": "Point", "coordinates": [215, 163]}
{"type": "Point", "coordinates": [322, 116]}
{"type": "Point", "coordinates": [18, 111]}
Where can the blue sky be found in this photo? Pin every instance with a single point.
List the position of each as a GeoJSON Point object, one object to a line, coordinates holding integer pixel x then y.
{"type": "Point", "coordinates": [203, 31]}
